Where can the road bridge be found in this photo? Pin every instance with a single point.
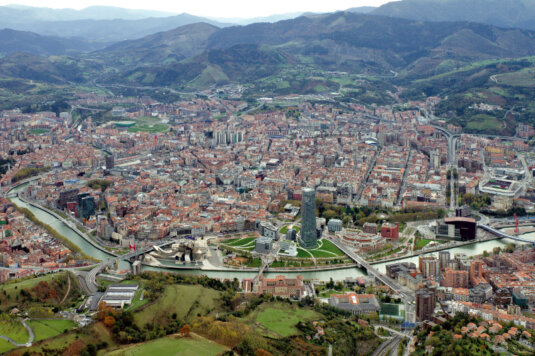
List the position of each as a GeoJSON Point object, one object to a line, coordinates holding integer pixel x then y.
{"type": "Point", "coordinates": [406, 295]}
{"type": "Point", "coordinates": [505, 235]}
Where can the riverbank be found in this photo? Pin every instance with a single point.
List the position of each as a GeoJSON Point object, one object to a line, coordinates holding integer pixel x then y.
{"type": "Point", "coordinates": [255, 269]}
{"type": "Point", "coordinates": [69, 224]}
{"type": "Point", "coordinates": [339, 272]}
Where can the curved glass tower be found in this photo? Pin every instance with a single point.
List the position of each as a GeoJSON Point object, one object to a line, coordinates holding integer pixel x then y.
{"type": "Point", "coordinates": [308, 224]}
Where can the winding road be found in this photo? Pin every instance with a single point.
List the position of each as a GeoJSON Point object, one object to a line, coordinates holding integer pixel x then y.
{"type": "Point", "coordinates": [30, 332]}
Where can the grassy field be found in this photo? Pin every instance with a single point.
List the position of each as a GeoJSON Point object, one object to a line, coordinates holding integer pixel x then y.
{"type": "Point", "coordinates": [10, 292]}
{"type": "Point", "coordinates": [44, 329]}
{"type": "Point", "coordinates": [71, 343]}
{"type": "Point", "coordinates": [148, 124]}
{"type": "Point", "coordinates": [173, 346]}
{"type": "Point", "coordinates": [13, 329]}
{"type": "Point", "coordinates": [5, 346]}
{"type": "Point", "coordinates": [14, 287]}
{"type": "Point", "coordinates": [185, 301]}
{"type": "Point", "coordinates": [522, 78]}
{"type": "Point", "coordinates": [484, 123]}
{"type": "Point", "coordinates": [281, 318]}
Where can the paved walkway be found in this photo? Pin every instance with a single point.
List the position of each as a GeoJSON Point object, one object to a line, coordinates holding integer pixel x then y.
{"type": "Point", "coordinates": [30, 332]}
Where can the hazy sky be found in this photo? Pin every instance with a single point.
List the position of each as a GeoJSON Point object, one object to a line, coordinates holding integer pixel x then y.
{"type": "Point", "coordinates": [213, 8]}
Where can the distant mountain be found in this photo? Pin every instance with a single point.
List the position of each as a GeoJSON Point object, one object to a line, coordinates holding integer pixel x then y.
{"type": "Point", "coordinates": [163, 47]}
{"type": "Point", "coordinates": [240, 63]}
{"type": "Point", "coordinates": [348, 41]}
{"type": "Point", "coordinates": [502, 13]}
{"type": "Point", "coordinates": [248, 21]}
{"type": "Point", "coordinates": [362, 9]}
{"type": "Point", "coordinates": [341, 41]}
{"type": "Point", "coordinates": [52, 70]}
{"type": "Point", "coordinates": [29, 13]}
{"type": "Point", "coordinates": [107, 31]}
{"type": "Point", "coordinates": [12, 41]}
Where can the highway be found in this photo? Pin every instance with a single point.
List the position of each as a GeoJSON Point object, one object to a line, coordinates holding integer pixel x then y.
{"type": "Point", "coordinates": [388, 347]}
{"type": "Point", "coordinates": [452, 161]}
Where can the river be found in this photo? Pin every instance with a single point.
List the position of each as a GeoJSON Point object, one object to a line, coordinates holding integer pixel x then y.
{"type": "Point", "coordinates": [90, 250]}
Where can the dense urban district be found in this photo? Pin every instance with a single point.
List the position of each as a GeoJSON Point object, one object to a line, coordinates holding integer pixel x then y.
{"type": "Point", "coordinates": [287, 225]}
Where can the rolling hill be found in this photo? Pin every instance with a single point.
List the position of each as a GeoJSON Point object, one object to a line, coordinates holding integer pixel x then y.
{"type": "Point", "coordinates": [502, 13]}
{"type": "Point", "coordinates": [102, 30]}
{"type": "Point", "coordinates": [12, 42]}
{"type": "Point", "coordinates": [341, 41]}
{"type": "Point", "coordinates": [202, 54]}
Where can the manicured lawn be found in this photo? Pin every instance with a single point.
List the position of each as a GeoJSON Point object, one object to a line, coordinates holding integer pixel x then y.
{"type": "Point", "coordinates": [421, 243]}
{"type": "Point", "coordinates": [321, 253]}
{"type": "Point", "coordinates": [137, 302]}
{"type": "Point", "coordinates": [284, 229]}
{"type": "Point", "coordinates": [325, 249]}
{"type": "Point", "coordinates": [14, 329]}
{"type": "Point", "coordinates": [329, 246]}
{"type": "Point", "coordinates": [282, 318]}
{"type": "Point", "coordinates": [185, 301]}
{"type": "Point", "coordinates": [328, 293]}
{"type": "Point", "coordinates": [44, 329]}
{"type": "Point", "coordinates": [173, 346]}
{"type": "Point", "coordinates": [240, 242]}
{"type": "Point", "coordinates": [302, 253]}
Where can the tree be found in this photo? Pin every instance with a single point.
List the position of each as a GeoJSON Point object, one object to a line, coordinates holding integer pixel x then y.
{"type": "Point", "coordinates": [510, 247]}
{"type": "Point", "coordinates": [330, 284]}
{"type": "Point", "coordinates": [185, 330]}
{"type": "Point", "coordinates": [109, 321]}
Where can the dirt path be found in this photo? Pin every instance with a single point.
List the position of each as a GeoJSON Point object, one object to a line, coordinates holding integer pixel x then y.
{"type": "Point", "coordinates": [68, 289]}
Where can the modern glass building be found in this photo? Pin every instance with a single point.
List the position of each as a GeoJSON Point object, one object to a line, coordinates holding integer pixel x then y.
{"type": "Point", "coordinates": [308, 237]}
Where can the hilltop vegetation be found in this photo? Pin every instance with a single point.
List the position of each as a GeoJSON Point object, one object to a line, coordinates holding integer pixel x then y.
{"type": "Point", "coordinates": [207, 317]}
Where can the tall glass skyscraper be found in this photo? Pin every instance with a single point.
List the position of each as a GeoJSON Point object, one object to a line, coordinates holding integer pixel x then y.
{"type": "Point", "coordinates": [308, 224]}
